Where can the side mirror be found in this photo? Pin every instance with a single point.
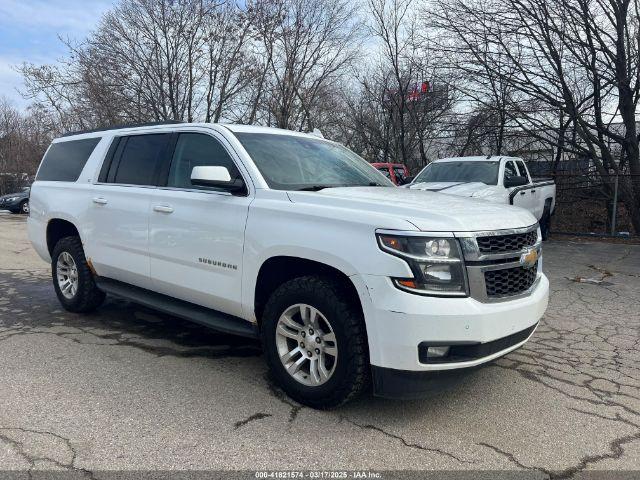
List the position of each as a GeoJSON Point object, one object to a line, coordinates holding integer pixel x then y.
{"type": "Point", "coordinates": [218, 177]}
{"type": "Point", "coordinates": [515, 181]}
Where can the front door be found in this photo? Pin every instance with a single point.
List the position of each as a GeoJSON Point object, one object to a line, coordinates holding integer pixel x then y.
{"type": "Point", "coordinates": [196, 234]}
{"type": "Point", "coordinates": [521, 195]}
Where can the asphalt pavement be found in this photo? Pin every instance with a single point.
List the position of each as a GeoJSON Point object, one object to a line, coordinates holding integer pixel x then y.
{"type": "Point", "coordinates": [128, 389]}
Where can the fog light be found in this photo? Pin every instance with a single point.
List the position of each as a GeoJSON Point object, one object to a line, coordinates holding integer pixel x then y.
{"type": "Point", "coordinates": [438, 352]}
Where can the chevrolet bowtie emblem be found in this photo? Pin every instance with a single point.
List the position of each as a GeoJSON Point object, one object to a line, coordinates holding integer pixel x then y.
{"type": "Point", "coordinates": [529, 259]}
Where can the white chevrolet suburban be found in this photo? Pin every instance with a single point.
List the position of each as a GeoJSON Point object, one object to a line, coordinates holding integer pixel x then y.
{"type": "Point", "coordinates": [499, 179]}
{"type": "Point", "coordinates": [347, 279]}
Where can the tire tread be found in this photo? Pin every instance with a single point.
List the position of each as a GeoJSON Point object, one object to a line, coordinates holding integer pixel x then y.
{"type": "Point", "coordinates": [357, 351]}
{"type": "Point", "coordinates": [89, 296]}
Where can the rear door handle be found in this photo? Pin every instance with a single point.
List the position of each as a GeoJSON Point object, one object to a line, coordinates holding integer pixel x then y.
{"type": "Point", "coordinates": [100, 200]}
{"type": "Point", "coordinates": [533, 191]}
{"type": "Point", "coordinates": [163, 209]}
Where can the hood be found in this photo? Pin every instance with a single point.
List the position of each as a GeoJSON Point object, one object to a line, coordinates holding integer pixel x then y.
{"type": "Point", "coordinates": [428, 211]}
{"type": "Point", "coordinates": [481, 190]}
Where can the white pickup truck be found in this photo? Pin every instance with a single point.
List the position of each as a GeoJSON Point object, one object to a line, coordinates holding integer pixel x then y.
{"type": "Point", "coordinates": [498, 179]}
{"type": "Point", "coordinates": [347, 279]}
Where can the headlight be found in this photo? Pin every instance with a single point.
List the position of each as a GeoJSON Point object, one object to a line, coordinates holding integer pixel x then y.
{"type": "Point", "coordinates": [11, 199]}
{"type": "Point", "coordinates": [436, 264]}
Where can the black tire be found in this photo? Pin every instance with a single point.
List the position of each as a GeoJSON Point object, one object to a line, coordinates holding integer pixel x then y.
{"type": "Point", "coordinates": [24, 207]}
{"type": "Point", "coordinates": [352, 371]}
{"type": "Point", "coordinates": [88, 296]}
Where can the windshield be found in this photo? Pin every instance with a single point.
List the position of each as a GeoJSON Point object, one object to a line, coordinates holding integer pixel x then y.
{"type": "Point", "coordinates": [468, 171]}
{"type": "Point", "coordinates": [289, 162]}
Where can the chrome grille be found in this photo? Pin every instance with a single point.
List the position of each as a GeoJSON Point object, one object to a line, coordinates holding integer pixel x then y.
{"type": "Point", "coordinates": [507, 243]}
{"type": "Point", "coordinates": [509, 281]}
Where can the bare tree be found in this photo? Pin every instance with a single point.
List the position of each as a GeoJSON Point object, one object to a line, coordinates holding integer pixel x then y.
{"type": "Point", "coordinates": [402, 97]}
{"type": "Point", "coordinates": [151, 60]}
{"type": "Point", "coordinates": [569, 65]}
{"type": "Point", "coordinates": [307, 46]}
{"type": "Point", "coordinates": [23, 139]}
{"type": "Point", "coordinates": [392, 25]}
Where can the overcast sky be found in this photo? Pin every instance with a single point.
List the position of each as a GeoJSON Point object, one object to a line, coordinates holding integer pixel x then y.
{"type": "Point", "coordinates": [29, 31]}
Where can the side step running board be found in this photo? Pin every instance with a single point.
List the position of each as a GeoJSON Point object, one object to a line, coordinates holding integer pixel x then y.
{"type": "Point", "coordinates": [219, 321]}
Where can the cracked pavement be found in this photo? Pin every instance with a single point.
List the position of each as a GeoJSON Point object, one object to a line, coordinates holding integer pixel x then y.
{"type": "Point", "coordinates": [126, 388]}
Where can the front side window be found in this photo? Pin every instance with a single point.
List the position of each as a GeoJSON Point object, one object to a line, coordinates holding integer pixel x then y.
{"type": "Point", "coordinates": [139, 159]}
{"type": "Point", "coordinates": [197, 150]}
{"type": "Point", "coordinates": [385, 171]}
{"type": "Point", "coordinates": [289, 162]}
{"type": "Point", "coordinates": [466, 171]}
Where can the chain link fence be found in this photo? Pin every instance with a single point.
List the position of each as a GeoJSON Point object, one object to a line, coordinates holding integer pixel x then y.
{"type": "Point", "coordinates": [589, 204]}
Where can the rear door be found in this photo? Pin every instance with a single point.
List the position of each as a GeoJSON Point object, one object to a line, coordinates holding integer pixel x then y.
{"type": "Point", "coordinates": [118, 221]}
{"type": "Point", "coordinates": [197, 233]}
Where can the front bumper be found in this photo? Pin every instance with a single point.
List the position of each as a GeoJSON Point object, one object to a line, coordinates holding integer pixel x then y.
{"type": "Point", "coordinates": [398, 322]}
{"type": "Point", "coordinates": [407, 384]}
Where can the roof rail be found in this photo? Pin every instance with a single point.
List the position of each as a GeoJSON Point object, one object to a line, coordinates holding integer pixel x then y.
{"type": "Point", "coordinates": [119, 127]}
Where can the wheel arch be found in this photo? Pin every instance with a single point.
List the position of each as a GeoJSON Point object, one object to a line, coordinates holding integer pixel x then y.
{"type": "Point", "coordinates": [279, 269]}
{"type": "Point", "coordinates": [58, 228]}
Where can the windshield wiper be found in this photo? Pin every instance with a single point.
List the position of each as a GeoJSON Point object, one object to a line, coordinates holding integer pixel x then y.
{"type": "Point", "coordinates": [317, 188]}
{"type": "Point", "coordinates": [313, 188]}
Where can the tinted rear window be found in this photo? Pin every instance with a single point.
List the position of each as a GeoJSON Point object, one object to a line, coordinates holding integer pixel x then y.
{"type": "Point", "coordinates": [140, 159]}
{"type": "Point", "coordinates": [64, 161]}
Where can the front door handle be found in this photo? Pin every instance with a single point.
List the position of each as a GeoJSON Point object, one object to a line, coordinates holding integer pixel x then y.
{"type": "Point", "coordinates": [100, 200]}
{"type": "Point", "coordinates": [533, 191]}
{"type": "Point", "coordinates": [523, 192]}
{"type": "Point", "coordinates": [163, 209]}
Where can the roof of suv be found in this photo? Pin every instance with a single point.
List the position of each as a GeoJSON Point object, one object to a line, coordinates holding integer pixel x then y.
{"type": "Point", "coordinates": [235, 128]}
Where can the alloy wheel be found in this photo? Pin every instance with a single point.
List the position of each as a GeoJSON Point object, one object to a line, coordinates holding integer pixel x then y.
{"type": "Point", "coordinates": [67, 273]}
{"type": "Point", "coordinates": [306, 345]}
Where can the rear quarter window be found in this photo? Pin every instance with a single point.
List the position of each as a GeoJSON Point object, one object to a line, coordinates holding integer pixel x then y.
{"type": "Point", "coordinates": [64, 161]}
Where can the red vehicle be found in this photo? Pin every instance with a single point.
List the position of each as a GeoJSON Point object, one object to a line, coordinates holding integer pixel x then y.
{"type": "Point", "coordinates": [396, 172]}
